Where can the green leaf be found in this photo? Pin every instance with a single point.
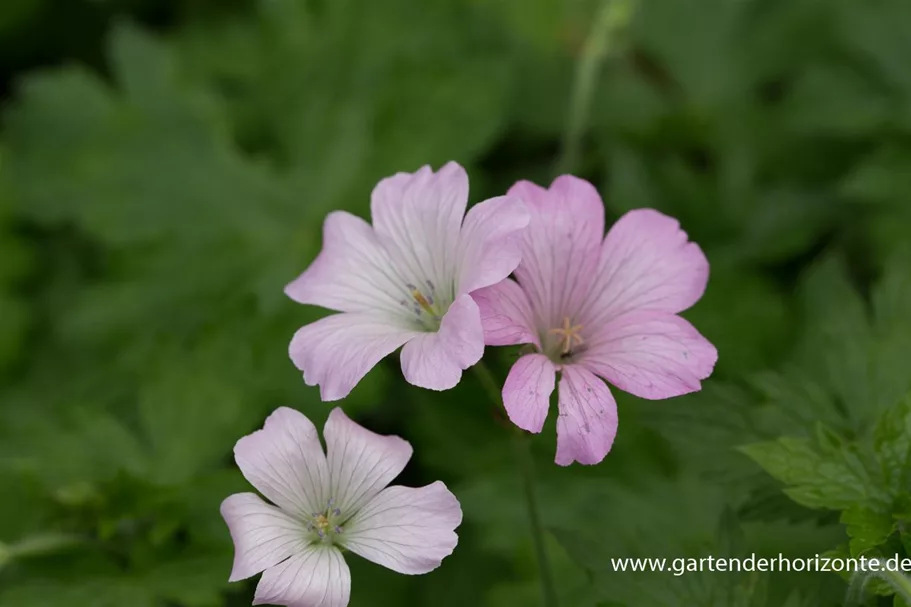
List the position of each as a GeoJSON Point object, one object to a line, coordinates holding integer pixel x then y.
{"type": "Point", "coordinates": [867, 528]}
{"type": "Point", "coordinates": [814, 479]}
{"type": "Point", "coordinates": [892, 443]}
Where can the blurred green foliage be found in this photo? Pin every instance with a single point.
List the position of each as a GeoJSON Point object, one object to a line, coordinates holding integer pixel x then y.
{"type": "Point", "coordinates": [165, 169]}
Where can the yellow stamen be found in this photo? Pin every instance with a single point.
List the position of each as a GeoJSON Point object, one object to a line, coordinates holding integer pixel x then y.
{"type": "Point", "coordinates": [569, 335]}
{"type": "Point", "coordinates": [422, 301]}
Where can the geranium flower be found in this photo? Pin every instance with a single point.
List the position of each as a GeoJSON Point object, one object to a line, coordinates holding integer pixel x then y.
{"type": "Point", "coordinates": [406, 280]}
{"type": "Point", "coordinates": [324, 505]}
{"type": "Point", "coordinates": [596, 306]}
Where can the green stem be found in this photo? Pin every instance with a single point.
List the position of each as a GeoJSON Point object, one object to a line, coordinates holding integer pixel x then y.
{"type": "Point", "coordinates": [900, 583]}
{"type": "Point", "coordinates": [38, 545]}
{"type": "Point", "coordinates": [613, 16]}
{"type": "Point", "coordinates": [526, 465]}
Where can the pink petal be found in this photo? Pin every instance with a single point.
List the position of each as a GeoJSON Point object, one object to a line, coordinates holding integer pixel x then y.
{"type": "Point", "coordinates": [647, 263]}
{"type": "Point", "coordinates": [285, 462]}
{"type": "Point", "coordinates": [418, 217]}
{"type": "Point", "coordinates": [587, 423]}
{"type": "Point", "coordinates": [651, 354]}
{"type": "Point", "coordinates": [407, 530]}
{"type": "Point", "coordinates": [263, 535]}
{"type": "Point", "coordinates": [317, 576]}
{"type": "Point", "coordinates": [490, 244]}
{"type": "Point", "coordinates": [561, 245]}
{"type": "Point", "coordinates": [361, 463]}
{"type": "Point", "coordinates": [527, 390]}
{"type": "Point", "coordinates": [337, 351]}
{"type": "Point", "coordinates": [436, 360]}
{"type": "Point", "coordinates": [351, 273]}
{"type": "Point", "coordinates": [506, 315]}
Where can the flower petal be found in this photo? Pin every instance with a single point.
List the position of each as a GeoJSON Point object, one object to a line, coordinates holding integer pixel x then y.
{"type": "Point", "coordinates": [337, 351]}
{"type": "Point", "coordinates": [646, 263]}
{"type": "Point", "coordinates": [490, 244]}
{"type": "Point", "coordinates": [405, 529]}
{"type": "Point", "coordinates": [436, 360]}
{"type": "Point", "coordinates": [561, 244]}
{"type": "Point", "coordinates": [527, 390]}
{"type": "Point", "coordinates": [506, 315]}
{"type": "Point", "coordinates": [417, 218]}
{"type": "Point", "coordinates": [651, 354]}
{"type": "Point", "coordinates": [361, 463]}
{"type": "Point", "coordinates": [317, 576]}
{"type": "Point", "coordinates": [353, 273]}
{"type": "Point", "coordinates": [285, 462]}
{"type": "Point", "coordinates": [263, 535]}
{"type": "Point", "coordinates": [587, 423]}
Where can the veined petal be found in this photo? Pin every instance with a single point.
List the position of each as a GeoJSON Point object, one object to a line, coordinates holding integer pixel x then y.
{"type": "Point", "coordinates": [561, 244]}
{"type": "Point", "coordinates": [353, 272]}
{"type": "Point", "coordinates": [506, 315]}
{"type": "Point", "coordinates": [527, 390]}
{"type": "Point", "coordinates": [361, 463]}
{"type": "Point", "coordinates": [407, 530]}
{"type": "Point", "coordinates": [651, 354]}
{"type": "Point", "coordinates": [647, 263]}
{"type": "Point", "coordinates": [490, 244]}
{"type": "Point", "coordinates": [417, 218]}
{"type": "Point", "coordinates": [316, 576]}
{"type": "Point", "coordinates": [587, 423]}
{"type": "Point", "coordinates": [337, 351]}
{"type": "Point", "coordinates": [285, 462]}
{"type": "Point", "coordinates": [436, 360]}
{"type": "Point", "coordinates": [263, 535]}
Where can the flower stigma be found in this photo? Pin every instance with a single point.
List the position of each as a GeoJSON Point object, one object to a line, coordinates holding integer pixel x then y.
{"type": "Point", "coordinates": [569, 336]}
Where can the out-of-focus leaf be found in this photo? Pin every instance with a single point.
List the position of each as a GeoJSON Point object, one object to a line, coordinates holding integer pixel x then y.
{"type": "Point", "coordinates": [814, 478]}
{"type": "Point", "coordinates": [866, 527]}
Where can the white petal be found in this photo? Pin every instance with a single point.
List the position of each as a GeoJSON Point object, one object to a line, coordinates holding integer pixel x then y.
{"type": "Point", "coordinates": [490, 244]}
{"type": "Point", "coordinates": [417, 218]}
{"type": "Point", "coordinates": [352, 273]}
{"type": "Point", "coordinates": [407, 530]}
{"type": "Point", "coordinates": [263, 535]}
{"type": "Point", "coordinates": [285, 461]}
{"type": "Point", "coordinates": [435, 360]}
{"type": "Point", "coordinates": [317, 576]}
{"type": "Point", "coordinates": [361, 463]}
{"type": "Point", "coordinates": [337, 351]}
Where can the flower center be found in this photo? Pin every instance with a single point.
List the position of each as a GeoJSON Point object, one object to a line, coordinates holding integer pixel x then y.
{"type": "Point", "coordinates": [325, 526]}
{"type": "Point", "coordinates": [427, 307]}
{"type": "Point", "coordinates": [568, 337]}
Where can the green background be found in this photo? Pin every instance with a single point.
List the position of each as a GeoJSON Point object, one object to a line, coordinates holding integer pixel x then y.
{"type": "Point", "coordinates": [165, 168]}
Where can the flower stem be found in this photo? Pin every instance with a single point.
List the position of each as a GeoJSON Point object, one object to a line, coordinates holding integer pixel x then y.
{"type": "Point", "coordinates": [900, 583]}
{"type": "Point", "coordinates": [38, 545]}
{"type": "Point", "coordinates": [613, 16]}
{"type": "Point", "coordinates": [526, 465]}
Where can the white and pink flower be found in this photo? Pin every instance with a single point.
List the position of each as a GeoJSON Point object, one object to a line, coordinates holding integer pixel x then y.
{"type": "Point", "coordinates": [323, 503]}
{"type": "Point", "coordinates": [596, 307]}
{"type": "Point", "coordinates": [405, 281]}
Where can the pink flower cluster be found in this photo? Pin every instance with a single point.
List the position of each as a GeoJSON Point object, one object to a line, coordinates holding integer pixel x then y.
{"type": "Point", "coordinates": [433, 280]}
{"type": "Point", "coordinates": [595, 307]}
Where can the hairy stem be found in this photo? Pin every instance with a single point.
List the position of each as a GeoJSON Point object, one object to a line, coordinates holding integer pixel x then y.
{"type": "Point", "coordinates": [526, 465]}
{"type": "Point", "coordinates": [613, 16]}
{"type": "Point", "coordinates": [900, 583]}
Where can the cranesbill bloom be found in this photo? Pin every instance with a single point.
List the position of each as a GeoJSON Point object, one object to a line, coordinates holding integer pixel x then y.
{"type": "Point", "coordinates": [323, 505]}
{"type": "Point", "coordinates": [406, 281]}
{"type": "Point", "coordinates": [593, 309]}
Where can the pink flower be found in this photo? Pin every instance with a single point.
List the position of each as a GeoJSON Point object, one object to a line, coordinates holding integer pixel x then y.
{"type": "Point", "coordinates": [405, 281]}
{"type": "Point", "coordinates": [595, 309]}
{"type": "Point", "coordinates": [323, 505]}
